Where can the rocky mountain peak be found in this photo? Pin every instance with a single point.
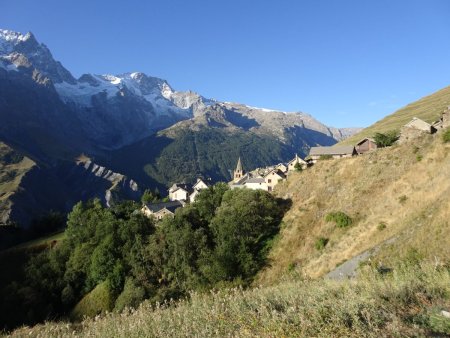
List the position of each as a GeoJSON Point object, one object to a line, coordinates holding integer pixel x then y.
{"type": "Point", "coordinates": [38, 55]}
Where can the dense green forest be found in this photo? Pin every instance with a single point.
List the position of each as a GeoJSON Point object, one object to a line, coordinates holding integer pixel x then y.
{"type": "Point", "coordinates": [159, 161]}
{"type": "Point", "coordinates": [112, 258]}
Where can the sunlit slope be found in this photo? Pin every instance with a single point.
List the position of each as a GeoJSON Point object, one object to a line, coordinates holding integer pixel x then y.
{"type": "Point", "coordinates": [13, 166]}
{"type": "Point", "coordinates": [405, 188]}
{"type": "Point", "coordinates": [428, 108]}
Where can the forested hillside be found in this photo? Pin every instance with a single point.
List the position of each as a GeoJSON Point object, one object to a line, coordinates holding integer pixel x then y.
{"type": "Point", "coordinates": [112, 258]}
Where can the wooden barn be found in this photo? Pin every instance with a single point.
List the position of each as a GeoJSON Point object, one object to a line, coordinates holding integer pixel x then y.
{"type": "Point", "coordinates": [365, 145]}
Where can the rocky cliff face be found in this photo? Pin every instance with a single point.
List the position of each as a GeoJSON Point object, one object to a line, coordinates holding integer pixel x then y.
{"type": "Point", "coordinates": [37, 190]}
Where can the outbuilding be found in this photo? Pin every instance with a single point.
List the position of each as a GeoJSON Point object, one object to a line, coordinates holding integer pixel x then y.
{"type": "Point", "coordinates": [365, 145]}
{"type": "Point", "coordinates": [317, 153]}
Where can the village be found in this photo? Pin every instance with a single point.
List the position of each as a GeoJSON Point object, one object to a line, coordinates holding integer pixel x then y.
{"type": "Point", "coordinates": [267, 178]}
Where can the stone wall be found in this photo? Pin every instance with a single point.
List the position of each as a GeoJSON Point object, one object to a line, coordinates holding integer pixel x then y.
{"type": "Point", "coordinates": [408, 133]}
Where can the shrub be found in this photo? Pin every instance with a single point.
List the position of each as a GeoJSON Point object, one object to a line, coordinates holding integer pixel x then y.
{"type": "Point", "coordinates": [381, 226]}
{"type": "Point", "coordinates": [321, 242]}
{"type": "Point", "coordinates": [291, 266]}
{"type": "Point", "coordinates": [341, 219]}
{"type": "Point", "coordinates": [446, 136]}
{"type": "Point", "coordinates": [419, 157]}
{"type": "Point", "coordinates": [387, 139]}
{"type": "Point", "coordinates": [298, 167]}
{"type": "Point", "coordinates": [402, 199]}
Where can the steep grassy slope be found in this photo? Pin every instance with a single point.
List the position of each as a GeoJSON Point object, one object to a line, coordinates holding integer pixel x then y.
{"type": "Point", "coordinates": [406, 188]}
{"type": "Point", "coordinates": [404, 304]}
{"type": "Point", "coordinates": [13, 166]}
{"type": "Point", "coordinates": [428, 108]}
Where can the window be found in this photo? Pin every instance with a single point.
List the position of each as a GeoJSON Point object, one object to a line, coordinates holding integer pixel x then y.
{"type": "Point", "coordinates": [269, 181]}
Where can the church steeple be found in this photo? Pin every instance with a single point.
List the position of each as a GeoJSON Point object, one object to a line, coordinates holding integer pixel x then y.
{"type": "Point", "coordinates": [238, 172]}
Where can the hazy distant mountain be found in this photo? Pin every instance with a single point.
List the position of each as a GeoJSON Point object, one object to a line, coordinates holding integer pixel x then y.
{"type": "Point", "coordinates": [134, 124]}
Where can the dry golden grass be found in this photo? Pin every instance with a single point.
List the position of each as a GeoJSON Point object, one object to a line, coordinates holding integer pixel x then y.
{"type": "Point", "coordinates": [389, 186]}
{"type": "Point", "coordinates": [428, 108]}
{"type": "Point", "coordinates": [405, 303]}
{"type": "Point", "coordinates": [11, 176]}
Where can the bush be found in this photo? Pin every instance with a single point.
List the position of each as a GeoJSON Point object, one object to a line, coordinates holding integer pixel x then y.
{"type": "Point", "coordinates": [381, 226]}
{"type": "Point", "coordinates": [402, 199]}
{"type": "Point", "coordinates": [387, 139]}
{"type": "Point", "coordinates": [321, 242]}
{"type": "Point", "coordinates": [298, 167]}
{"type": "Point", "coordinates": [341, 219]}
{"type": "Point", "coordinates": [446, 136]}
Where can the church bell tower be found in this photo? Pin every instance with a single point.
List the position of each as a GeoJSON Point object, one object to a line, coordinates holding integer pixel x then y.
{"type": "Point", "coordinates": [238, 172]}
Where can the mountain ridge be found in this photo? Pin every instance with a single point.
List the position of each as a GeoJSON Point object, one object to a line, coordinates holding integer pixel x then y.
{"type": "Point", "coordinates": [135, 124]}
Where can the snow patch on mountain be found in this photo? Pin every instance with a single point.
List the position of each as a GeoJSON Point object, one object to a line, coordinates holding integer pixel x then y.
{"type": "Point", "coordinates": [81, 93]}
{"type": "Point", "coordinates": [265, 109]}
{"type": "Point", "coordinates": [8, 39]}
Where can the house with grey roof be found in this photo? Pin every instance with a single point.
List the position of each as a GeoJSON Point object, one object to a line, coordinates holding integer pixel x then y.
{"type": "Point", "coordinates": [161, 210]}
{"type": "Point", "coordinates": [317, 153]}
{"type": "Point", "coordinates": [415, 128]}
{"type": "Point", "coordinates": [273, 178]}
{"type": "Point", "coordinates": [180, 192]}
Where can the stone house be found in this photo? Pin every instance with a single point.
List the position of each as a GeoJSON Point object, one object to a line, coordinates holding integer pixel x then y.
{"type": "Point", "coordinates": [282, 167]}
{"type": "Point", "coordinates": [161, 210]}
{"type": "Point", "coordinates": [273, 178]}
{"type": "Point", "coordinates": [197, 187]}
{"type": "Point", "coordinates": [256, 183]}
{"type": "Point", "coordinates": [180, 192]}
{"type": "Point", "coordinates": [292, 163]}
{"type": "Point", "coordinates": [444, 121]}
{"type": "Point", "coordinates": [316, 153]}
{"type": "Point", "coordinates": [365, 145]}
{"type": "Point", "coordinates": [415, 128]}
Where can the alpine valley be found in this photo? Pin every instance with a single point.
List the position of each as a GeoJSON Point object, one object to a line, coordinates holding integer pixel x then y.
{"type": "Point", "coordinates": [64, 139]}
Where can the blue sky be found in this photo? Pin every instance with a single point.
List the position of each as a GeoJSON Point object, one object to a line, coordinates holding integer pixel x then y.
{"type": "Point", "coordinates": [347, 62]}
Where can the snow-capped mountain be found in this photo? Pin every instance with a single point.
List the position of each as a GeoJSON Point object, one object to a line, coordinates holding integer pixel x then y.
{"type": "Point", "coordinates": [113, 110]}
{"type": "Point", "coordinates": [116, 110]}
{"type": "Point", "coordinates": [131, 123]}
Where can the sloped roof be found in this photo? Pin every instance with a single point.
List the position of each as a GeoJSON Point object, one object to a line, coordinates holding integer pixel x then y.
{"type": "Point", "coordinates": [418, 124]}
{"type": "Point", "coordinates": [171, 206]}
{"type": "Point", "coordinates": [336, 150]}
{"type": "Point", "coordinates": [199, 181]}
{"type": "Point", "coordinates": [278, 172]}
{"type": "Point", "coordinates": [242, 180]}
{"type": "Point", "coordinates": [297, 159]}
{"type": "Point", "coordinates": [185, 187]}
{"type": "Point", "coordinates": [255, 180]}
{"type": "Point", "coordinates": [364, 139]}
{"type": "Point", "coordinates": [239, 165]}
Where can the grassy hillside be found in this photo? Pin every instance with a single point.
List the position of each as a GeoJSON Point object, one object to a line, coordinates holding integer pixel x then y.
{"type": "Point", "coordinates": [398, 196]}
{"type": "Point", "coordinates": [14, 259]}
{"type": "Point", "coordinates": [13, 166]}
{"type": "Point", "coordinates": [406, 303]}
{"type": "Point", "coordinates": [428, 108]}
